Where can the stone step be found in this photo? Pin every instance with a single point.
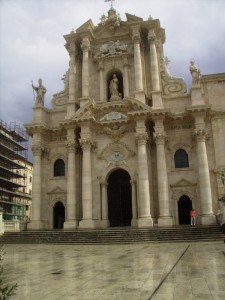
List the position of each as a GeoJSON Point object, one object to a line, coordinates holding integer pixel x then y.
{"type": "Point", "coordinates": [115, 235]}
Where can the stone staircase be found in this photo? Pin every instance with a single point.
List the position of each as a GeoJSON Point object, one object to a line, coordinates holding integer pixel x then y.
{"type": "Point", "coordinates": [124, 235]}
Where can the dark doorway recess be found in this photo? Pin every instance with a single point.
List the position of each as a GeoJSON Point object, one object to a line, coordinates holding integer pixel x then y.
{"type": "Point", "coordinates": [59, 215]}
{"type": "Point", "coordinates": [119, 198]}
{"type": "Point", "coordinates": [184, 208]}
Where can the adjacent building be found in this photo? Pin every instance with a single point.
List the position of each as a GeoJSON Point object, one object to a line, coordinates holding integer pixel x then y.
{"type": "Point", "coordinates": [15, 172]}
{"type": "Point", "coordinates": [125, 143]}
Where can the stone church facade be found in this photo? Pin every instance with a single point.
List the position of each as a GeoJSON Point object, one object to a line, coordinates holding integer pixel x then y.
{"type": "Point", "coordinates": [125, 144]}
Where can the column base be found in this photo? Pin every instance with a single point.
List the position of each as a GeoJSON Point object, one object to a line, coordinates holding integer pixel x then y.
{"type": "Point", "coordinates": [140, 95]}
{"type": "Point", "coordinates": [165, 221]}
{"type": "Point", "coordinates": [36, 225]}
{"type": "Point", "coordinates": [134, 223]}
{"type": "Point", "coordinates": [208, 220]}
{"type": "Point", "coordinates": [145, 222]}
{"type": "Point", "coordinates": [104, 224]}
{"type": "Point", "coordinates": [157, 101]}
{"type": "Point", "coordinates": [71, 224]}
{"type": "Point", "coordinates": [83, 101]}
{"type": "Point", "coordinates": [87, 224]}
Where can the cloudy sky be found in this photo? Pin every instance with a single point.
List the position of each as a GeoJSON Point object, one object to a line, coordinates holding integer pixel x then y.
{"type": "Point", "coordinates": [32, 43]}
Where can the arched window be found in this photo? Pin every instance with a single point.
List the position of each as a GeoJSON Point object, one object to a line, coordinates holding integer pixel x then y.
{"type": "Point", "coordinates": [181, 159]}
{"type": "Point", "coordinates": [59, 168]}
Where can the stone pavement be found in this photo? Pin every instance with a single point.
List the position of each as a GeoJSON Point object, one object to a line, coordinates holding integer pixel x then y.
{"type": "Point", "coordinates": [122, 272]}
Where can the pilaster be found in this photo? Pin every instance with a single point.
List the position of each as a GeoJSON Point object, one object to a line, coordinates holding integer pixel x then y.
{"type": "Point", "coordinates": [85, 45]}
{"type": "Point", "coordinates": [134, 221]}
{"type": "Point", "coordinates": [72, 81]}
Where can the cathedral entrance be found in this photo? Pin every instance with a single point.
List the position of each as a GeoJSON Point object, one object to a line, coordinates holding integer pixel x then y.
{"type": "Point", "coordinates": [119, 199]}
{"type": "Point", "coordinates": [184, 208]}
{"type": "Point", "coordinates": [59, 215]}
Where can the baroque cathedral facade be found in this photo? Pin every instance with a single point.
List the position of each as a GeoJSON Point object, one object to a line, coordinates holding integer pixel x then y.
{"type": "Point", "coordinates": [125, 143]}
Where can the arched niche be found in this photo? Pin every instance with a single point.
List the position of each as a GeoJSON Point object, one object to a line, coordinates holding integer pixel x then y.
{"type": "Point", "coordinates": [109, 77]}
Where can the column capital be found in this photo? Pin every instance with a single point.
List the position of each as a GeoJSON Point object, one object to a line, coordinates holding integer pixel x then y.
{"type": "Point", "coordinates": [136, 37]}
{"type": "Point", "coordinates": [160, 138]}
{"type": "Point", "coordinates": [86, 144]}
{"type": "Point", "coordinates": [71, 146]}
{"type": "Point", "coordinates": [72, 49]}
{"type": "Point", "coordinates": [141, 138]}
{"type": "Point", "coordinates": [151, 36]}
{"type": "Point", "coordinates": [201, 135]}
{"type": "Point", "coordinates": [37, 150]}
{"type": "Point", "coordinates": [133, 181]}
{"type": "Point", "coordinates": [85, 45]}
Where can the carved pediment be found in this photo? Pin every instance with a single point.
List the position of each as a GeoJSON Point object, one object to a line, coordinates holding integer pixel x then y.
{"type": "Point", "coordinates": [133, 18]}
{"type": "Point", "coordinates": [86, 26]}
{"type": "Point", "coordinates": [118, 111]}
{"type": "Point", "coordinates": [183, 183]}
{"type": "Point", "coordinates": [57, 190]}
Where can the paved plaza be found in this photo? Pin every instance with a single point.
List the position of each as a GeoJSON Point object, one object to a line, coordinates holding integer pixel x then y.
{"type": "Point", "coordinates": [123, 272]}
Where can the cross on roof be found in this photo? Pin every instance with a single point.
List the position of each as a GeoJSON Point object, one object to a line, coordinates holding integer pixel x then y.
{"type": "Point", "coordinates": [111, 2]}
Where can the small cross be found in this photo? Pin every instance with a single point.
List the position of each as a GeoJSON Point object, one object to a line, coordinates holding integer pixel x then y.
{"type": "Point", "coordinates": [111, 2]}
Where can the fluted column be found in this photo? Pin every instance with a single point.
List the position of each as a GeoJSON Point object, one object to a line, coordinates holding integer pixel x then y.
{"type": "Point", "coordinates": [126, 81]}
{"type": "Point", "coordinates": [134, 203]}
{"type": "Point", "coordinates": [154, 61]}
{"type": "Point", "coordinates": [71, 217]}
{"type": "Point", "coordinates": [101, 81]}
{"type": "Point", "coordinates": [207, 216]}
{"type": "Point", "coordinates": [105, 219]}
{"type": "Point", "coordinates": [156, 92]}
{"type": "Point", "coordinates": [144, 215]}
{"type": "Point", "coordinates": [87, 221]}
{"type": "Point", "coordinates": [139, 94]}
{"type": "Point", "coordinates": [72, 80]}
{"type": "Point", "coordinates": [85, 67]}
{"type": "Point", "coordinates": [165, 218]}
{"type": "Point", "coordinates": [36, 222]}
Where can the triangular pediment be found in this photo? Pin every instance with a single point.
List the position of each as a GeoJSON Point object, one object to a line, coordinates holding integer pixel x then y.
{"type": "Point", "coordinates": [183, 183]}
{"type": "Point", "coordinates": [111, 111]}
{"type": "Point", "coordinates": [57, 190]}
{"type": "Point", "coordinates": [133, 18]}
{"type": "Point", "coordinates": [86, 26]}
{"type": "Point", "coordinates": [104, 32]}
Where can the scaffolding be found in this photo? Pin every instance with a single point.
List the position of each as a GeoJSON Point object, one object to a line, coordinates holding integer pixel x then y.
{"type": "Point", "coordinates": [13, 176]}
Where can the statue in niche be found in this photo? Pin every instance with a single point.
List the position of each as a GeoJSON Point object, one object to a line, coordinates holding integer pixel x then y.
{"type": "Point", "coordinates": [113, 88]}
{"type": "Point", "coordinates": [195, 73]}
{"type": "Point", "coordinates": [40, 92]}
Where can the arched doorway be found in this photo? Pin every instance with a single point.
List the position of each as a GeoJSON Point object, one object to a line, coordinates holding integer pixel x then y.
{"type": "Point", "coordinates": [119, 198]}
{"type": "Point", "coordinates": [184, 208]}
{"type": "Point", "coordinates": [59, 215]}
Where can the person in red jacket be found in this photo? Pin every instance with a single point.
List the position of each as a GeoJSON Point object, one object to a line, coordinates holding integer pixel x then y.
{"type": "Point", "coordinates": [193, 215]}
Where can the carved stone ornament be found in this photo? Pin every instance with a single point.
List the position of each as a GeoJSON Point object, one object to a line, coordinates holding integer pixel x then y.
{"type": "Point", "coordinates": [113, 115]}
{"type": "Point", "coordinates": [116, 158]}
{"type": "Point", "coordinates": [171, 85]}
{"type": "Point", "coordinates": [112, 21]}
{"type": "Point", "coordinates": [141, 138]}
{"type": "Point", "coordinates": [112, 49]}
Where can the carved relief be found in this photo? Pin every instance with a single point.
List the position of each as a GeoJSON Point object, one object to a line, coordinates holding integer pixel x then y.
{"type": "Point", "coordinates": [112, 49]}
{"type": "Point", "coordinates": [113, 115]}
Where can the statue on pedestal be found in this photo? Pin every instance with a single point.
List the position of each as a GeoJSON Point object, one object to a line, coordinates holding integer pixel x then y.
{"type": "Point", "coordinates": [40, 93]}
{"type": "Point", "coordinates": [113, 88]}
{"type": "Point", "coordinates": [195, 73]}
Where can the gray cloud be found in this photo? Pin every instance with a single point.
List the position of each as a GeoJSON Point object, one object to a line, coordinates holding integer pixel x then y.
{"type": "Point", "coordinates": [32, 43]}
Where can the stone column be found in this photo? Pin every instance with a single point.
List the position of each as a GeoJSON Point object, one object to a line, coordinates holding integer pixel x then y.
{"type": "Point", "coordinates": [2, 228]}
{"type": "Point", "coordinates": [126, 80]}
{"type": "Point", "coordinates": [207, 216]}
{"type": "Point", "coordinates": [36, 222]}
{"type": "Point", "coordinates": [134, 203]}
{"type": "Point", "coordinates": [156, 93]}
{"type": "Point", "coordinates": [85, 67]}
{"type": "Point", "coordinates": [101, 81]}
{"type": "Point", "coordinates": [71, 216]}
{"type": "Point", "coordinates": [139, 94]}
{"type": "Point", "coordinates": [165, 217]}
{"type": "Point", "coordinates": [144, 215]}
{"type": "Point", "coordinates": [72, 81]}
{"type": "Point", "coordinates": [105, 219]}
{"type": "Point", "coordinates": [87, 221]}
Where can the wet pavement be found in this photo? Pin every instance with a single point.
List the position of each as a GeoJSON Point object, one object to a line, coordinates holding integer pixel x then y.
{"type": "Point", "coordinates": [122, 272]}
